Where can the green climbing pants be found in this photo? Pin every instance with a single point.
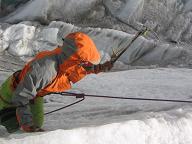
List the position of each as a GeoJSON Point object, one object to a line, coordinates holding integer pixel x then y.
{"type": "Point", "coordinates": [8, 112]}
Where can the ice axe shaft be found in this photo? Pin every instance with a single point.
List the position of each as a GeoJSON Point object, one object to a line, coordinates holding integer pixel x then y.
{"type": "Point", "coordinates": [115, 57]}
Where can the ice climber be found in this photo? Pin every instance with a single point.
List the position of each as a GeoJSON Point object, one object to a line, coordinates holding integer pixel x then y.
{"type": "Point", "coordinates": [21, 95]}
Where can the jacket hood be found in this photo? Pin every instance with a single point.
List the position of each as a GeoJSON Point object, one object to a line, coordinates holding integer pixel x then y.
{"type": "Point", "coordinates": [85, 47]}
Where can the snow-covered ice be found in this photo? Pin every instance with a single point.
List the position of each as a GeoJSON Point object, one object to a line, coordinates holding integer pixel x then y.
{"type": "Point", "coordinates": [18, 37]}
{"type": "Point", "coordinates": [151, 68]}
{"type": "Point", "coordinates": [98, 120]}
{"type": "Point", "coordinates": [150, 131]}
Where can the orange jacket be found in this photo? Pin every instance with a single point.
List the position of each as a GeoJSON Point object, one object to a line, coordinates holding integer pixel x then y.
{"type": "Point", "coordinates": [77, 48]}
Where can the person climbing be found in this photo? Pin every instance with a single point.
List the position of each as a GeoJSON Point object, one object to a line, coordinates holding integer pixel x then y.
{"type": "Point", "coordinates": [21, 95]}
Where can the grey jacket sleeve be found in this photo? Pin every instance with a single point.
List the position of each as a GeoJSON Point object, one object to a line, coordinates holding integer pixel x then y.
{"type": "Point", "coordinates": [36, 79]}
{"type": "Point", "coordinates": [25, 91]}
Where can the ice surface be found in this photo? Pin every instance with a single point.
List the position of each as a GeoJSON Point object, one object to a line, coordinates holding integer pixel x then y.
{"type": "Point", "coordinates": [46, 10]}
{"type": "Point", "coordinates": [170, 19]}
{"type": "Point", "coordinates": [40, 24]}
{"type": "Point", "coordinates": [125, 10]}
{"type": "Point", "coordinates": [3, 43]}
{"type": "Point", "coordinates": [117, 121]}
{"type": "Point", "coordinates": [18, 37]}
{"type": "Point", "coordinates": [161, 15]}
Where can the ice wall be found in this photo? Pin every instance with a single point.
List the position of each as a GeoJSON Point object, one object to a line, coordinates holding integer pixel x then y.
{"type": "Point", "coordinates": [25, 39]}
{"type": "Point", "coordinates": [8, 6]}
{"type": "Point", "coordinates": [170, 19]}
{"type": "Point", "coordinates": [47, 10]}
{"type": "Point", "coordinates": [125, 10]}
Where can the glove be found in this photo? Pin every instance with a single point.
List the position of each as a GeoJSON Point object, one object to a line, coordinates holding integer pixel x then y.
{"type": "Point", "coordinates": [107, 66]}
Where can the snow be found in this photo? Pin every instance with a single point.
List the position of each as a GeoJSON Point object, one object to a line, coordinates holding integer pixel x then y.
{"type": "Point", "coordinates": [116, 121]}
{"type": "Point", "coordinates": [49, 35]}
{"type": "Point", "coordinates": [19, 36]}
{"type": "Point", "coordinates": [25, 31]}
{"type": "Point", "coordinates": [46, 39]}
{"type": "Point", "coordinates": [3, 44]}
{"type": "Point", "coordinates": [151, 131]}
{"type": "Point", "coordinates": [150, 68]}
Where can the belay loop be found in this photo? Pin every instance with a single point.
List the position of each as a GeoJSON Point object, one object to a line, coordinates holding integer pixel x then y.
{"type": "Point", "coordinates": [82, 97]}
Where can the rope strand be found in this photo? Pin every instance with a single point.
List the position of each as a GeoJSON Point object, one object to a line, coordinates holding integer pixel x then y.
{"type": "Point", "coordinates": [126, 98]}
{"type": "Point", "coordinates": [83, 96]}
{"type": "Point", "coordinates": [64, 107]}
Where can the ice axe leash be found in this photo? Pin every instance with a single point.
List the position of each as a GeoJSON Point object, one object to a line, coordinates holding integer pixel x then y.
{"type": "Point", "coordinates": [82, 97]}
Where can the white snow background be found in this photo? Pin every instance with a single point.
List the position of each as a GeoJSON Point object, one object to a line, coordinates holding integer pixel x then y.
{"type": "Point", "coordinates": [150, 68]}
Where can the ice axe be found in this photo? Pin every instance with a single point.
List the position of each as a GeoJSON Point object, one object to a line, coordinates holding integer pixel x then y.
{"type": "Point", "coordinates": [116, 55]}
